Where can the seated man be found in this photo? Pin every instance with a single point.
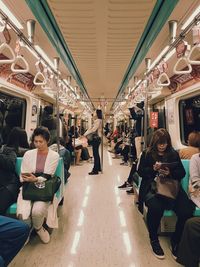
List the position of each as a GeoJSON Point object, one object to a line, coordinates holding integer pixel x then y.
{"type": "Point", "coordinates": [13, 235]}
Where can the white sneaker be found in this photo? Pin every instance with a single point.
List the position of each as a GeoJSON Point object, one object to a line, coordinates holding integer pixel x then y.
{"type": "Point", "coordinates": [44, 235]}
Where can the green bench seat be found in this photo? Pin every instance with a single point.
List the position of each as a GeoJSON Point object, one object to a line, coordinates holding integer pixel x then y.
{"type": "Point", "coordinates": [59, 172]}
{"type": "Point", "coordinates": [184, 182]}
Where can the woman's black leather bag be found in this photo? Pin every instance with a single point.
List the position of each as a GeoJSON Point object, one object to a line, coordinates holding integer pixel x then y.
{"type": "Point", "coordinates": [43, 191]}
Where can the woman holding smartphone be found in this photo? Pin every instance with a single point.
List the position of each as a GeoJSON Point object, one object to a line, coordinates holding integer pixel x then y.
{"type": "Point", "coordinates": [161, 151]}
{"type": "Point", "coordinates": [39, 160]}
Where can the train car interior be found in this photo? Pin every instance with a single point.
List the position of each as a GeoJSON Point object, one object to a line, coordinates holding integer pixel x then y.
{"type": "Point", "coordinates": [127, 67]}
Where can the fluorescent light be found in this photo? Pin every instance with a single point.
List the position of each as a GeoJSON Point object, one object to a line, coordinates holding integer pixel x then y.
{"type": "Point", "coordinates": [10, 15]}
{"type": "Point", "coordinates": [44, 55]}
{"type": "Point", "coordinates": [189, 20]}
{"type": "Point", "coordinates": [159, 57]}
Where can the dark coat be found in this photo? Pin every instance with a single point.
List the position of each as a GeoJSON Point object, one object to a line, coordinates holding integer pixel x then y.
{"type": "Point", "coordinates": [146, 171]}
{"type": "Point", "coordinates": [8, 176]}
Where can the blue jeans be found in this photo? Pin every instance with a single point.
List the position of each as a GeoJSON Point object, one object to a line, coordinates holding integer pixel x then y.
{"type": "Point", "coordinates": [13, 235]}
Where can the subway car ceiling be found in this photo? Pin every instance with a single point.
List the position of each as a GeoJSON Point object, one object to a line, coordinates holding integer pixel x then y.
{"type": "Point", "coordinates": [102, 46]}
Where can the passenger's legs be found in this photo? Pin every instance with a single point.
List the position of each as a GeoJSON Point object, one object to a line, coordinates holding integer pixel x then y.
{"type": "Point", "coordinates": [6, 199]}
{"type": "Point", "coordinates": [184, 208]}
{"type": "Point", "coordinates": [154, 215]}
{"type": "Point", "coordinates": [78, 155]}
{"type": "Point", "coordinates": [189, 247]}
{"type": "Point", "coordinates": [13, 234]}
{"type": "Point", "coordinates": [97, 163]}
{"type": "Point", "coordinates": [138, 146]}
{"type": "Point", "coordinates": [39, 213]}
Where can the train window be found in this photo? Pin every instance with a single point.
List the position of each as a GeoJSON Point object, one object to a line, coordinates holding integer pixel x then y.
{"type": "Point", "coordinates": [12, 113]}
{"type": "Point", "coordinates": [189, 111]}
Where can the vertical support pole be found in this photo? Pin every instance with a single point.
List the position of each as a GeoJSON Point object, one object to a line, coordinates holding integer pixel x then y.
{"type": "Point", "coordinates": [148, 63]}
{"type": "Point", "coordinates": [102, 143]}
{"type": "Point", "coordinates": [56, 63]}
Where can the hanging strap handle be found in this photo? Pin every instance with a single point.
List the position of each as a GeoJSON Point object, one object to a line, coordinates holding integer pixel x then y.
{"type": "Point", "coordinates": [39, 75]}
{"type": "Point", "coordinates": [15, 68]}
{"type": "Point", "coordinates": [194, 62]}
{"type": "Point", "coordinates": [165, 76]}
{"type": "Point", "coordinates": [3, 47]}
{"type": "Point", "coordinates": [182, 71]}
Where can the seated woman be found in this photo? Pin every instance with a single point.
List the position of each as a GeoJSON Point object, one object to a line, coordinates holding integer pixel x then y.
{"type": "Point", "coordinates": [9, 181]}
{"type": "Point", "coordinates": [72, 146]}
{"type": "Point", "coordinates": [193, 146]}
{"type": "Point", "coordinates": [18, 139]}
{"type": "Point", "coordinates": [39, 160]}
{"type": "Point", "coordinates": [161, 151]}
{"type": "Point", "coordinates": [189, 252]}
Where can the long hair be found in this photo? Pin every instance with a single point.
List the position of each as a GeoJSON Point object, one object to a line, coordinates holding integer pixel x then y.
{"type": "Point", "coordinates": [99, 114]}
{"type": "Point", "coordinates": [160, 136]}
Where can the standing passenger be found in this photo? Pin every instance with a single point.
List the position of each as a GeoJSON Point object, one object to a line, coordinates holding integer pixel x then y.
{"type": "Point", "coordinates": [96, 129]}
{"type": "Point", "coordinates": [161, 151]}
{"type": "Point", "coordinates": [137, 113]}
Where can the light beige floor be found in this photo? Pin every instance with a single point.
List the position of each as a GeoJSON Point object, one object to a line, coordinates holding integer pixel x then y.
{"type": "Point", "coordinates": [98, 226]}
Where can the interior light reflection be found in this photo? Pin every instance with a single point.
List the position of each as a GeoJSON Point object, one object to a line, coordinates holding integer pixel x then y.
{"type": "Point", "coordinates": [118, 178]}
{"type": "Point", "coordinates": [122, 218]}
{"type": "Point", "coordinates": [80, 219]}
{"type": "Point", "coordinates": [118, 200]}
{"type": "Point", "coordinates": [116, 191]}
{"type": "Point", "coordinates": [109, 159]}
{"type": "Point", "coordinates": [85, 200]}
{"type": "Point", "coordinates": [127, 243]}
{"type": "Point", "coordinates": [87, 191]}
{"type": "Point", "coordinates": [75, 242]}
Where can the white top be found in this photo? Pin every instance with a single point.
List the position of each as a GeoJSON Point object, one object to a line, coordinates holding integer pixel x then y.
{"type": "Point", "coordinates": [96, 127]}
{"type": "Point", "coordinates": [195, 175]}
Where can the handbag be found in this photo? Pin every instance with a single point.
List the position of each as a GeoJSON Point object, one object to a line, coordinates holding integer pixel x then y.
{"type": "Point", "coordinates": [93, 137]}
{"type": "Point", "coordinates": [43, 191]}
{"type": "Point", "coordinates": [167, 187]}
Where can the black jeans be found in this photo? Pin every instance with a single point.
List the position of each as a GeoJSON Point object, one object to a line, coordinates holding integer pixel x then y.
{"type": "Point", "coordinates": [95, 150]}
{"type": "Point", "coordinates": [6, 199]}
{"type": "Point", "coordinates": [182, 206]}
{"type": "Point", "coordinates": [125, 152]}
{"type": "Point", "coordinates": [131, 174]}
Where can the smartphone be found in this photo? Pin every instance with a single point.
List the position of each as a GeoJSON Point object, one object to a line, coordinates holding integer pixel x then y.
{"type": "Point", "coordinates": [27, 174]}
